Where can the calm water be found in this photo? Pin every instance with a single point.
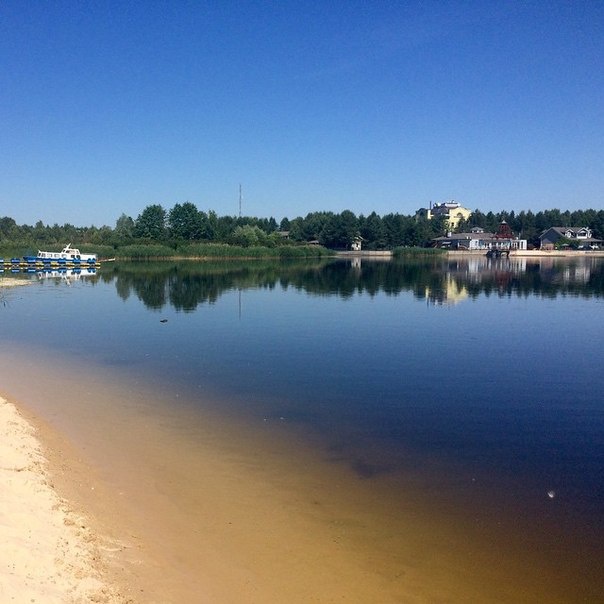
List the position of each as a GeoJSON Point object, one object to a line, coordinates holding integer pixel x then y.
{"type": "Point", "coordinates": [482, 380]}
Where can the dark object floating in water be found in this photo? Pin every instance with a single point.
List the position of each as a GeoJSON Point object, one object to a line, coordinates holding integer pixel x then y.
{"type": "Point", "coordinates": [494, 253]}
{"type": "Point", "coordinates": [163, 320]}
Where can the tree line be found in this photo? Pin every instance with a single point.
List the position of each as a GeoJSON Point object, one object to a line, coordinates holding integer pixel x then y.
{"type": "Point", "coordinates": [185, 224]}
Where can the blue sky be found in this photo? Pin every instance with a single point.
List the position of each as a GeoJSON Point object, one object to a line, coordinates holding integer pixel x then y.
{"type": "Point", "coordinates": [107, 107]}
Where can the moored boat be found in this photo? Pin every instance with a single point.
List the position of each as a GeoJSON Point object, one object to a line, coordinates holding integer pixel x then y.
{"type": "Point", "coordinates": [67, 255]}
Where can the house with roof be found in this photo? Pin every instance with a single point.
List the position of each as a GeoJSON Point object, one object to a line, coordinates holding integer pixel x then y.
{"type": "Point", "coordinates": [453, 212]}
{"type": "Point", "coordinates": [356, 244]}
{"type": "Point", "coordinates": [478, 239]}
{"type": "Point", "coordinates": [574, 236]}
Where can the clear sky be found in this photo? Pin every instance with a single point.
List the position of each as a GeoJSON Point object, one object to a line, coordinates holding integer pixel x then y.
{"type": "Point", "coordinates": [107, 107]}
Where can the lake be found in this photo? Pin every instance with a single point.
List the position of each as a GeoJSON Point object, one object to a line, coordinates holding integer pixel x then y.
{"type": "Point", "coordinates": [388, 431]}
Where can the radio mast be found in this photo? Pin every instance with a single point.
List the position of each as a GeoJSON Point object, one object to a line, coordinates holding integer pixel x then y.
{"type": "Point", "coordinates": [240, 199]}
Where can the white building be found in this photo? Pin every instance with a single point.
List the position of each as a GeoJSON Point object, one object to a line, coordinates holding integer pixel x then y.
{"type": "Point", "coordinates": [477, 239]}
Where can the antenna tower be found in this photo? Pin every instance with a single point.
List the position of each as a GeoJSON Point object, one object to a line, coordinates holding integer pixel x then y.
{"type": "Point", "coordinates": [240, 198]}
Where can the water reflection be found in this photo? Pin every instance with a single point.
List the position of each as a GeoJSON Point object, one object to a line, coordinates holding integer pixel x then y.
{"type": "Point", "coordinates": [186, 285]}
{"type": "Point", "coordinates": [485, 408]}
{"type": "Point", "coordinates": [67, 276]}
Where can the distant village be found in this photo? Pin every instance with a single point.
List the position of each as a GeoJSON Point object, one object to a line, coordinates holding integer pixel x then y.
{"type": "Point", "coordinates": [453, 214]}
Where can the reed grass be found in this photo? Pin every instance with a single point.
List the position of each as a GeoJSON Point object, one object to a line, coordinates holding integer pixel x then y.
{"type": "Point", "coordinates": [145, 251]}
{"type": "Point", "coordinates": [224, 250]}
{"type": "Point", "coordinates": [406, 252]}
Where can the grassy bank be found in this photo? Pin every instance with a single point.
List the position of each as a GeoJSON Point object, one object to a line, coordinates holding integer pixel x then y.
{"type": "Point", "coordinates": [413, 252]}
{"type": "Point", "coordinates": [218, 250]}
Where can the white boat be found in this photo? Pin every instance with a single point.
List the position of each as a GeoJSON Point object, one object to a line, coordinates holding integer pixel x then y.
{"type": "Point", "coordinates": [68, 253]}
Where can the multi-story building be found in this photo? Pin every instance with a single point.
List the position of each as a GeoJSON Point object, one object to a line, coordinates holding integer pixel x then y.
{"type": "Point", "coordinates": [452, 211]}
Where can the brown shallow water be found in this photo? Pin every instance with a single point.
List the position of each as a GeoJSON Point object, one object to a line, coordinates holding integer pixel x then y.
{"type": "Point", "coordinates": [215, 509]}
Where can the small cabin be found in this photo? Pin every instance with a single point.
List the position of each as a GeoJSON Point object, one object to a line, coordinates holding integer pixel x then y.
{"type": "Point", "coordinates": [356, 244]}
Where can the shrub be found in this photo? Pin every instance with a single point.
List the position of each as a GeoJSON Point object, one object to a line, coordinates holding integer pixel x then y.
{"type": "Point", "coordinates": [401, 252]}
{"type": "Point", "coordinates": [145, 252]}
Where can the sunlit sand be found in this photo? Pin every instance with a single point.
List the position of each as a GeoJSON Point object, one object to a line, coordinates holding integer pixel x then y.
{"type": "Point", "coordinates": [48, 554]}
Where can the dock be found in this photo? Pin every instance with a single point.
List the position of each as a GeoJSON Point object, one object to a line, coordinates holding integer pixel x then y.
{"type": "Point", "coordinates": [17, 265]}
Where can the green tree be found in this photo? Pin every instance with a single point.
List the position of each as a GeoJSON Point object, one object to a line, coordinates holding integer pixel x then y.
{"type": "Point", "coordinates": [373, 232]}
{"type": "Point", "coordinates": [124, 229]}
{"type": "Point", "coordinates": [394, 230]}
{"type": "Point", "coordinates": [347, 228]}
{"type": "Point", "coordinates": [8, 228]}
{"type": "Point", "coordinates": [314, 224]}
{"type": "Point", "coordinates": [185, 222]}
{"type": "Point", "coordinates": [101, 235]}
{"type": "Point", "coordinates": [296, 229]}
{"type": "Point", "coordinates": [328, 234]}
{"type": "Point", "coordinates": [151, 223]}
{"type": "Point", "coordinates": [225, 225]}
{"type": "Point", "coordinates": [248, 236]}
{"type": "Point", "coordinates": [525, 227]}
{"type": "Point", "coordinates": [419, 233]}
{"type": "Point", "coordinates": [477, 219]}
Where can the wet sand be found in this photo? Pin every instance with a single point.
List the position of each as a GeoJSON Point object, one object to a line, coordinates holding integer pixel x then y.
{"type": "Point", "coordinates": [203, 508]}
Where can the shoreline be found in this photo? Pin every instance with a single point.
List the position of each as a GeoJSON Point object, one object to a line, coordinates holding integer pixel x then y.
{"type": "Point", "coordinates": [533, 253]}
{"type": "Point", "coordinates": [50, 552]}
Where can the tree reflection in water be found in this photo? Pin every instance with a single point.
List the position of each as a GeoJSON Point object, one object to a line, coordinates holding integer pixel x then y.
{"type": "Point", "coordinates": [185, 285]}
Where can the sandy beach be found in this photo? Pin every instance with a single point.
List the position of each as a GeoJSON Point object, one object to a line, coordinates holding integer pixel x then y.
{"type": "Point", "coordinates": [49, 553]}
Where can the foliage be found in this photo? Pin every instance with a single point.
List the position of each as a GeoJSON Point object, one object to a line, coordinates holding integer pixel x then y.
{"type": "Point", "coordinates": [13, 250]}
{"type": "Point", "coordinates": [217, 250]}
{"type": "Point", "coordinates": [145, 252]}
{"type": "Point", "coordinates": [400, 252]}
{"type": "Point", "coordinates": [151, 223]}
{"type": "Point", "coordinates": [102, 251]}
{"type": "Point", "coordinates": [249, 236]}
{"type": "Point", "coordinates": [563, 242]}
{"type": "Point", "coordinates": [124, 229]}
{"type": "Point", "coordinates": [184, 222]}
{"type": "Point", "coordinates": [185, 225]}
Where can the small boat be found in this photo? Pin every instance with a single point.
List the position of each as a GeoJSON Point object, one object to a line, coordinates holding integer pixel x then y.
{"type": "Point", "coordinates": [67, 254]}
